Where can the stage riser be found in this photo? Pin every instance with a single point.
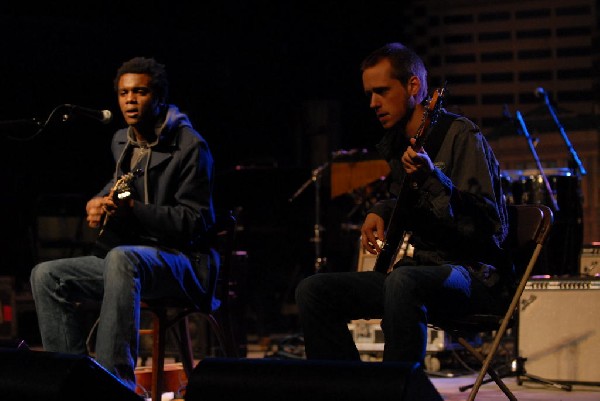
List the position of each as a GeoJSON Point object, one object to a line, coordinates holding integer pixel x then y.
{"type": "Point", "coordinates": [295, 380]}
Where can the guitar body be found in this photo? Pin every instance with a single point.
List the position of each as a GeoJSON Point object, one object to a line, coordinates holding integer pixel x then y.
{"type": "Point", "coordinates": [116, 231]}
{"type": "Point", "coordinates": [395, 231]}
{"type": "Point", "coordinates": [389, 251]}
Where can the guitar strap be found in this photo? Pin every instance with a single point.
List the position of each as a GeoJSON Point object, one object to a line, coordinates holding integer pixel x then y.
{"type": "Point", "coordinates": [438, 133]}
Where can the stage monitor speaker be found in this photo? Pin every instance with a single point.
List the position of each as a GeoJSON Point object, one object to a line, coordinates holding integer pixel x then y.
{"type": "Point", "coordinates": [35, 376]}
{"type": "Point", "coordinates": [559, 329]}
{"type": "Point", "coordinates": [292, 380]}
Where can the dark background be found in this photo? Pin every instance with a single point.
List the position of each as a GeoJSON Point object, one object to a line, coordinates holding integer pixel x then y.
{"type": "Point", "coordinates": [243, 72]}
{"type": "Point", "coordinates": [274, 87]}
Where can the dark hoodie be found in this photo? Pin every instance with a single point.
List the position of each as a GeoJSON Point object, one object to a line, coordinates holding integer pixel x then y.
{"type": "Point", "coordinates": [173, 205]}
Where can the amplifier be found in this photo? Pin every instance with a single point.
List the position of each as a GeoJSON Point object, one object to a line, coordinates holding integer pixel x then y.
{"type": "Point", "coordinates": [589, 264]}
{"type": "Point", "coordinates": [559, 329]}
{"type": "Point", "coordinates": [8, 310]}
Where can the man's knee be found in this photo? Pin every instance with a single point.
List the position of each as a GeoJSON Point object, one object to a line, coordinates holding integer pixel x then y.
{"type": "Point", "coordinates": [307, 288]}
{"type": "Point", "coordinates": [121, 258]}
{"type": "Point", "coordinates": [39, 274]}
{"type": "Point", "coordinates": [404, 277]}
{"type": "Point", "coordinates": [301, 289]}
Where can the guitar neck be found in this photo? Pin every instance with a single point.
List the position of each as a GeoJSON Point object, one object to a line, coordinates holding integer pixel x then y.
{"type": "Point", "coordinates": [395, 228]}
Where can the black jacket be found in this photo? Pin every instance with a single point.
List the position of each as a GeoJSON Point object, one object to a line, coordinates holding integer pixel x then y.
{"type": "Point", "coordinates": [458, 215]}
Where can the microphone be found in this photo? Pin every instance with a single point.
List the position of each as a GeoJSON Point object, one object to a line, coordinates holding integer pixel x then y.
{"type": "Point", "coordinates": [539, 92]}
{"type": "Point", "coordinates": [104, 116]}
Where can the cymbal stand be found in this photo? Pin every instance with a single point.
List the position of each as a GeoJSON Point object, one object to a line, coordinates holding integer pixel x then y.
{"type": "Point", "coordinates": [315, 178]}
{"type": "Point", "coordinates": [563, 133]}
{"type": "Point", "coordinates": [523, 129]}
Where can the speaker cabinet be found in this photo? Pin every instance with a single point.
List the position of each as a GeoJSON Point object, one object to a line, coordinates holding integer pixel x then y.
{"type": "Point", "coordinates": [559, 329]}
{"type": "Point", "coordinates": [34, 375]}
{"type": "Point", "coordinates": [291, 380]}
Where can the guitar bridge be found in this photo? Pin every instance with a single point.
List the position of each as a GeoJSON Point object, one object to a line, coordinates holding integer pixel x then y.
{"type": "Point", "coordinates": [404, 250]}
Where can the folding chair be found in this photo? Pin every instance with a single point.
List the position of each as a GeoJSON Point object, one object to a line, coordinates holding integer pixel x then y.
{"type": "Point", "coordinates": [529, 226]}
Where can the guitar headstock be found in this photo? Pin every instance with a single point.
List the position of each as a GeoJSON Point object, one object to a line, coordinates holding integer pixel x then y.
{"type": "Point", "coordinates": [122, 188]}
{"type": "Point", "coordinates": [433, 105]}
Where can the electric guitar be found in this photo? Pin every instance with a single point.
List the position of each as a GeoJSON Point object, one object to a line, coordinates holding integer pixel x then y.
{"type": "Point", "coordinates": [394, 231]}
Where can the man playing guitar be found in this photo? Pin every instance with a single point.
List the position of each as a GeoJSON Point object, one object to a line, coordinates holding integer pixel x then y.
{"type": "Point", "coordinates": [446, 192]}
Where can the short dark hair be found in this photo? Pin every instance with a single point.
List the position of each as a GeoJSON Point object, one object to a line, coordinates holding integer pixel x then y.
{"type": "Point", "coordinates": [405, 64]}
{"type": "Point", "coordinates": [142, 65]}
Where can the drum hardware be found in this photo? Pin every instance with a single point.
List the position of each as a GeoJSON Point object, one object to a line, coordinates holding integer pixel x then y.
{"type": "Point", "coordinates": [564, 245]}
{"type": "Point", "coordinates": [561, 255]}
{"type": "Point", "coordinates": [316, 239]}
{"type": "Point", "coordinates": [321, 261]}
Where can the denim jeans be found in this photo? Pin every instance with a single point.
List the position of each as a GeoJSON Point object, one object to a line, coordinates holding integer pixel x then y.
{"type": "Point", "coordinates": [405, 300]}
{"type": "Point", "coordinates": [118, 281]}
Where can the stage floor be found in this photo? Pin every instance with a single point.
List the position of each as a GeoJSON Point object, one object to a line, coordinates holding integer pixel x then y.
{"type": "Point", "coordinates": [449, 389]}
{"type": "Point", "coordinates": [529, 391]}
{"type": "Point", "coordinates": [449, 386]}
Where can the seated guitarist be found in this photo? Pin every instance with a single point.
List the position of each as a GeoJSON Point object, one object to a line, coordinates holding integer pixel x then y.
{"type": "Point", "coordinates": [447, 196]}
{"type": "Point", "coordinates": [154, 216]}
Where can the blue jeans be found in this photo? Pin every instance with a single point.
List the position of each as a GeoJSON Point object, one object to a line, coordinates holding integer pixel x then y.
{"type": "Point", "coordinates": [405, 300]}
{"type": "Point", "coordinates": [118, 282]}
